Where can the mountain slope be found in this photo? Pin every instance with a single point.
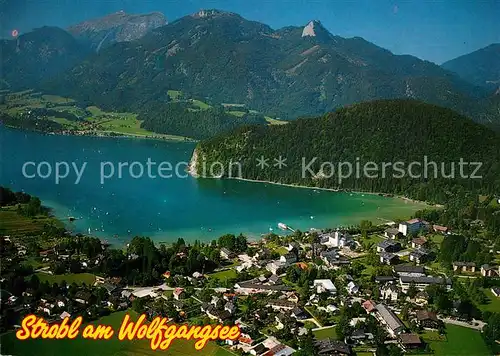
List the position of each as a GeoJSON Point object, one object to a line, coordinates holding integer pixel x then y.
{"type": "Point", "coordinates": [286, 73]}
{"type": "Point", "coordinates": [38, 56]}
{"type": "Point", "coordinates": [118, 27]}
{"type": "Point", "coordinates": [381, 131]}
{"type": "Point", "coordinates": [481, 67]}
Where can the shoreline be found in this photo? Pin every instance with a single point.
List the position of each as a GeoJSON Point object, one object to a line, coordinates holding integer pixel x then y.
{"type": "Point", "coordinates": [102, 134]}
{"type": "Point", "coordinates": [194, 160]}
{"type": "Point", "coordinates": [158, 239]}
{"type": "Point", "coordinates": [384, 195]}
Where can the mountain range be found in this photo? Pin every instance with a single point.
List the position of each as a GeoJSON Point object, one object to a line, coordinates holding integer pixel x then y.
{"type": "Point", "coordinates": [221, 57]}
{"type": "Point", "coordinates": [481, 67]}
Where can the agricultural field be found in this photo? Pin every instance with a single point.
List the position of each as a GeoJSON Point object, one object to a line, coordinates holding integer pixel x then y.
{"type": "Point", "coordinates": [272, 121]}
{"type": "Point", "coordinates": [28, 106]}
{"type": "Point", "coordinates": [174, 94]}
{"type": "Point", "coordinates": [13, 223]}
{"type": "Point", "coordinates": [89, 120]}
{"type": "Point", "coordinates": [200, 104]}
{"type": "Point", "coordinates": [232, 109]}
{"type": "Point", "coordinates": [19, 102]}
{"type": "Point", "coordinates": [237, 113]}
{"type": "Point", "coordinates": [112, 347]}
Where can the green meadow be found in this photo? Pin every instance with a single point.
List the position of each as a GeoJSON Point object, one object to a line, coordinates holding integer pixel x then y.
{"type": "Point", "coordinates": [460, 341]}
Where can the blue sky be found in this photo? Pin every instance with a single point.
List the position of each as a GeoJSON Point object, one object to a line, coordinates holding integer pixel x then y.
{"type": "Point", "coordinates": [434, 30]}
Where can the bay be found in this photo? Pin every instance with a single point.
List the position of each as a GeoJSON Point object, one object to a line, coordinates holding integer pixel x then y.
{"type": "Point", "coordinates": [168, 208]}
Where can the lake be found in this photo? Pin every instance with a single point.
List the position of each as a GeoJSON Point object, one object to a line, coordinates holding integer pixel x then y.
{"type": "Point", "coordinates": [119, 208]}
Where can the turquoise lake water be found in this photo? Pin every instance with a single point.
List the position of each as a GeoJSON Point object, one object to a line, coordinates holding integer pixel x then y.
{"type": "Point", "coordinates": [168, 208]}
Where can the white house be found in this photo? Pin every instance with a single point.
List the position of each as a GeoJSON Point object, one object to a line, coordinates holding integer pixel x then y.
{"type": "Point", "coordinates": [391, 233]}
{"type": "Point", "coordinates": [336, 239]}
{"type": "Point", "coordinates": [324, 285]}
{"type": "Point", "coordinates": [352, 288]}
{"type": "Point", "coordinates": [292, 246]}
{"type": "Point", "coordinates": [226, 253]}
{"type": "Point", "coordinates": [288, 258]}
{"type": "Point", "coordinates": [389, 292]}
{"type": "Point", "coordinates": [275, 266]}
{"type": "Point", "coordinates": [411, 226]}
{"type": "Point", "coordinates": [356, 321]}
{"type": "Point", "coordinates": [330, 308]}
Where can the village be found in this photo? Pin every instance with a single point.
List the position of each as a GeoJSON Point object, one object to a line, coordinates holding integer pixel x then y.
{"type": "Point", "coordinates": [337, 292]}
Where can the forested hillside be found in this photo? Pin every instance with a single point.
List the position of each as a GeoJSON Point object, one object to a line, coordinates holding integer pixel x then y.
{"type": "Point", "coordinates": [38, 56]}
{"type": "Point", "coordinates": [381, 131]}
{"type": "Point", "coordinates": [180, 119]}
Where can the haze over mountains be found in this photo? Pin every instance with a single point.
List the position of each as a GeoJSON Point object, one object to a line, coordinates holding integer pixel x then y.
{"type": "Point", "coordinates": [224, 58]}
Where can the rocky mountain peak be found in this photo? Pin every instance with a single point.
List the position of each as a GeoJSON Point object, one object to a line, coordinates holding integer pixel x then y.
{"type": "Point", "coordinates": [116, 27]}
{"type": "Point", "coordinates": [212, 13]}
{"type": "Point", "coordinates": [313, 28]}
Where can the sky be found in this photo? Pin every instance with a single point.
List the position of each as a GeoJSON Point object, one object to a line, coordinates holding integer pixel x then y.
{"type": "Point", "coordinates": [435, 30]}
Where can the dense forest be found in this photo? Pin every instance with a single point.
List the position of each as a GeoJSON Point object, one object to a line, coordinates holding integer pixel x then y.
{"type": "Point", "coordinates": [28, 123]}
{"type": "Point", "coordinates": [180, 119]}
{"type": "Point", "coordinates": [383, 131]}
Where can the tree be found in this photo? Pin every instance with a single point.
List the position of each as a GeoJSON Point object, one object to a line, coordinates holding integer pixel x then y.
{"type": "Point", "coordinates": [228, 241]}
{"type": "Point", "coordinates": [343, 328]}
{"type": "Point", "coordinates": [394, 350]}
{"type": "Point", "coordinates": [468, 310]}
{"type": "Point", "coordinates": [34, 282]}
{"type": "Point", "coordinates": [293, 273]}
{"type": "Point", "coordinates": [405, 312]}
{"type": "Point", "coordinates": [313, 239]}
{"type": "Point", "coordinates": [240, 243]}
{"type": "Point", "coordinates": [307, 346]}
{"type": "Point", "coordinates": [412, 290]}
{"type": "Point", "coordinates": [491, 331]}
{"type": "Point", "coordinates": [365, 226]}
{"type": "Point", "coordinates": [205, 294]}
{"type": "Point", "coordinates": [138, 305]}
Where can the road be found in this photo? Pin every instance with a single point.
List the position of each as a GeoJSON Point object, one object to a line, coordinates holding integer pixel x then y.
{"type": "Point", "coordinates": [143, 291]}
{"type": "Point", "coordinates": [465, 324]}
